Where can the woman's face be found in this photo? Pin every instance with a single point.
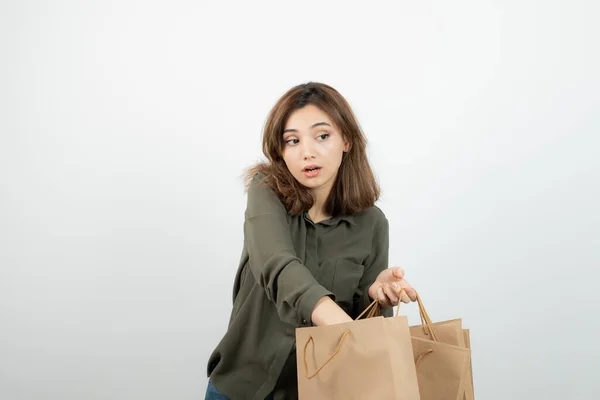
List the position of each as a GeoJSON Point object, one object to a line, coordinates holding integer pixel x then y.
{"type": "Point", "coordinates": [313, 148]}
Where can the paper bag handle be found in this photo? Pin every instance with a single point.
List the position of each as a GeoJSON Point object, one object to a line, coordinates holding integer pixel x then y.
{"type": "Point", "coordinates": [425, 323]}
{"type": "Point", "coordinates": [425, 320]}
{"type": "Point", "coordinates": [373, 309]}
{"type": "Point", "coordinates": [337, 350]}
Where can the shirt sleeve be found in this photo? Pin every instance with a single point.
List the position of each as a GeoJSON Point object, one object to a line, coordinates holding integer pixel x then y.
{"type": "Point", "coordinates": [375, 263]}
{"type": "Point", "coordinates": [272, 258]}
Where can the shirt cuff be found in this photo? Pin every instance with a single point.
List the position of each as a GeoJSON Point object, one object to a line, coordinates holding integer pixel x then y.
{"type": "Point", "coordinates": [308, 302]}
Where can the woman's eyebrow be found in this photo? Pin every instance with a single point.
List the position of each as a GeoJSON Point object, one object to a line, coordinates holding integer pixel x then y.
{"type": "Point", "coordinates": [312, 126]}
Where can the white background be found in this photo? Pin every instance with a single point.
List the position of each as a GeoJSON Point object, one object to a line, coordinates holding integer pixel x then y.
{"type": "Point", "coordinates": [125, 127]}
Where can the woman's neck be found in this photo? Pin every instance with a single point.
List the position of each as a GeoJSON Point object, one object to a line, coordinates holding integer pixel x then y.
{"type": "Point", "coordinates": [317, 212]}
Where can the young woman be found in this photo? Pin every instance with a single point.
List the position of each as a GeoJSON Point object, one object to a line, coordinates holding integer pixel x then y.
{"type": "Point", "coordinates": [315, 245]}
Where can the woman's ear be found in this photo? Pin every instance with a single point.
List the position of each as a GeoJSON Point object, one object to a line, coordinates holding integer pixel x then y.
{"type": "Point", "coordinates": [347, 145]}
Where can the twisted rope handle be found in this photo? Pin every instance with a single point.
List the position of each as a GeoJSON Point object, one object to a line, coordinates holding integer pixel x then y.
{"type": "Point", "coordinates": [337, 350]}
{"type": "Point", "coordinates": [425, 320]}
{"type": "Point", "coordinates": [421, 356]}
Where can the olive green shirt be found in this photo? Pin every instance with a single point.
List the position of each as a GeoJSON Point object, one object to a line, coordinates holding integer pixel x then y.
{"type": "Point", "coordinates": [288, 263]}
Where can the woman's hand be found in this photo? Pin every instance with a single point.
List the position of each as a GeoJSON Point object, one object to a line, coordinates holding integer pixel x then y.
{"type": "Point", "coordinates": [388, 285]}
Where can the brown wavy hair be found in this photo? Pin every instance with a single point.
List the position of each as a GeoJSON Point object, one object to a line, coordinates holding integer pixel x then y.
{"type": "Point", "coordinates": [355, 188]}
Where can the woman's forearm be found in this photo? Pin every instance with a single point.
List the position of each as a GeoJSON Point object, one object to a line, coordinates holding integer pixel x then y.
{"type": "Point", "coordinates": [327, 312]}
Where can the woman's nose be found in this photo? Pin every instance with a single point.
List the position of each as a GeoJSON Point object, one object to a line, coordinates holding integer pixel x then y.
{"type": "Point", "coordinates": [308, 151]}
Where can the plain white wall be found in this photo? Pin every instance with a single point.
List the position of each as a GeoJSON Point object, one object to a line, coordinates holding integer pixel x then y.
{"type": "Point", "coordinates": [125, 127]}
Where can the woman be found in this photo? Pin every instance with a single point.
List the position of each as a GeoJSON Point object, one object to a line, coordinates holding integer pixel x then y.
{"type": "Point", "coordinates": [315, 245]}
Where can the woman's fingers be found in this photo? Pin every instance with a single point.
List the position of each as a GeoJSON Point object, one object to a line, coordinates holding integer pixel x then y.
{"type": "Point", "coordinates": [391, 294]}
{"type": "Point", "coordinates": [409, 291]}
{"type": "Point", "coordinates": [405, 298]}
{"type": "Point", "coordinates": [382, 297]}
{"type": "Point", "coordinates": [401, 294]}
{"type": "Point", "coordinates": [398, 272]}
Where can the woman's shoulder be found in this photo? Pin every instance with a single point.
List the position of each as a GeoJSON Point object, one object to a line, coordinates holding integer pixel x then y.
{"type": "Point", "coordinates": [256, 173]}
{"type": "Point", "coordinates": [372, 216]}
{"type": "Point", "coordinates": [261, 197]}
{"type": "Point", "coordinates": [259, 183]}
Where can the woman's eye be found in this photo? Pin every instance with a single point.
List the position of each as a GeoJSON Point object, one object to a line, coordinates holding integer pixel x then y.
{"type": "Point", "coordinates": [292, 141]}
{"type": "Point", "coordinates": [324, 136]}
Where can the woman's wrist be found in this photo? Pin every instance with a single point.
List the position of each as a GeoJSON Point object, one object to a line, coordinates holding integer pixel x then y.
{"type": "Point", "coordinates": [327, 312]}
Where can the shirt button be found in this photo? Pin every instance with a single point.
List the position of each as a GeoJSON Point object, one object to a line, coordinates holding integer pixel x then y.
{"type": "Point", "coordinates": [304, 322]}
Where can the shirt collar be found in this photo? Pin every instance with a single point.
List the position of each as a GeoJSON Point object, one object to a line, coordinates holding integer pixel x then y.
{"type": "Point", "coordinates": [334, 220]}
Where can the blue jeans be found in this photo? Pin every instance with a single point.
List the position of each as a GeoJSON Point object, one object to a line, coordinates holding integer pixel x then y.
{"type": "Point", "coordinates": [212, 393]}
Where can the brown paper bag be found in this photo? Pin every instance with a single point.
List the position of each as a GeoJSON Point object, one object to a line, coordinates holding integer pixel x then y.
{"type": "Point", "coordinates": [469, 388]}
{"type": "Point", "coordinates": [364, 359]}
{"type": "Point", "coordinates": [441, 357]}
{"type": "Point", "coordinates": [441, 369]}
{"type": "Point", "coordinates": [450, 332]}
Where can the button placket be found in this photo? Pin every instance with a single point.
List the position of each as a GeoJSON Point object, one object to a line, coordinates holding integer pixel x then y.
{"type": "Point", "coordinates": [311, 247]}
